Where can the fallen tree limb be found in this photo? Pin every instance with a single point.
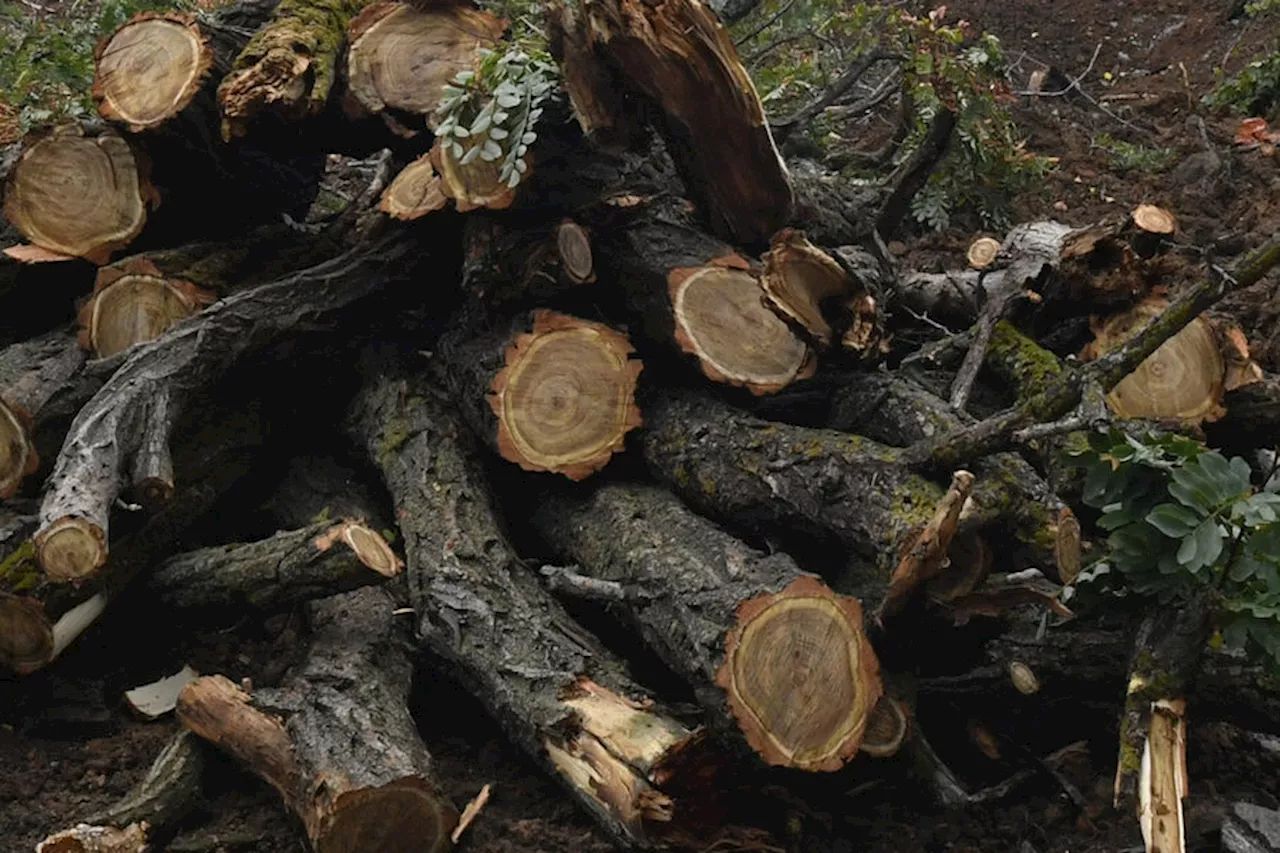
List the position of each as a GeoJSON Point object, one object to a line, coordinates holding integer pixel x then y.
{"type": "Point", "coordinates": [774, 656]}
{"type": "Point", "coordinates": [30, 374]}
{"type": "Point", "coordinates": [336, 739]}
{"type": "Point", "coordinates": [552, 687]}
{"type": "Point", "coordinates": [157, 380]}
{"type": "Point", "coordinates": [1063, 395]}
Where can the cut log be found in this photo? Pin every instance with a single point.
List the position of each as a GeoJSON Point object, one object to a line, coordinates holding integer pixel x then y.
{"type": "Point", "coordinates": [399, 59]}
{"type": "Point", "coordinates": [593, 87]}
{"type": "Point", "coordinates": [150, 812]}
{"type": "Point", "coordinates": [277, 572]}
{"type": "Point", "coordinates": [336, 739]}
{"type": "Point", "coordinates": [130, 417]}
{"type": "Point", "coordinates": [556, 394]}
{"type": "Point", "coordinates": [701, 299]}
{"type": "Point", "coordinates": [1150, 225]}
{"type": "Point", "coordinates": [808, 286]}
{"type": "Point", "coordinates": [41, 616]}
{"type": "Point", "coordinates": [896, 411]}
{"type": "Point", "coordinates": [506, 268]}
{"type": "Point", "coordinates": [415, 192]}
{"type": "Point", "coordinates": [30, 374]}
{"type": "Point", "coordinates": [982, 252]}
{"type": "Point", "coordinates": [676, 54]}
{"type": "Point", "coordinates": [791, 481]}
{"type": "Point", "coordinates": [1182, 380]}
{"type": "Point", "coordinates": [78, 191]}
{"type": "Point", "coordinates": [553, 688]}
{"type": "Point", "coordinates": [887, 728]}
{"type": "Point", "coordinates": [473, 185]}
{"type": "Point", "coordinates": [149, 69]}
{"type": "Point", "coordinates": [133, 302]}
{"type": "Point", "coordinates": [289, 66]}
{"type": "Point", "coordinates": [774, 656]}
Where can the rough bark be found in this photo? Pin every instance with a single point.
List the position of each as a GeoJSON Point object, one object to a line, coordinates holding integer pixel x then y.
{"type": "Point", "coordinates": [400, 57]}
{"type": "Point", "coordinates": [278, 572]}
{"type": "Point", "coordinates": [699, 298]}
{"type": "Point", "coordinates": [507, 267]}
{"type": "Point", "coordinates": [556, 393]}
{"type": "Point", "coordinates": [773, 655]}
{"type": "Point", "coordinates": [677, 55]}
{"type": "Point", "coordinates": [550, 685]}
{"type": "Point", "coordinates": [31, 373]}
{"type": "Point", "coordinates": [789, 480]}
{"type": "Point", "coordinates": [40, 616]}
{"type": "Point", "coordinates": [150, 812]}
{"type": "Point", "coordinates": [289, 66]}
{"type": "Point", "coordinates": [336, 739]}
{"type": "Point", "coordinates": [134, 410]}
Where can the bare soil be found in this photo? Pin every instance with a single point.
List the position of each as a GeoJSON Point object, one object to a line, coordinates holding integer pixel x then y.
{"type": "Point", "coordinates": [69, 746]}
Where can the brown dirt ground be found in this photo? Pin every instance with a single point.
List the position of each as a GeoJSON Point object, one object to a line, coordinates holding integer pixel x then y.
{"type": "Point", "coordinates": [69, 746]}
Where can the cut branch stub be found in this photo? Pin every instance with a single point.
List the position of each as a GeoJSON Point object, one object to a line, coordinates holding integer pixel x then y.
{"type": "Point", "coordinates": [71, 548]}
{"type": "Point", "coordinates": [676, 53]}
{"type": "Point", "coordinates": [149, 69]}
{"type": "Point", "coordinates": [401, 57]}
{"type": "Point", "coordinates": [759, 676]}
{"type": "Point", "coordinates": [573, 245]}
{"type": "Point", "coordinates": [887, 727]}
{"type": "Point", "coordinates": [77, 193]}
{"type": "Point", "coordinates": [134, 302]}
{"type": "Point", "coordinates": [721, 319]}
{"type": "Point", "coordinates": [982, 252]}
{"type": "Point", "coordinates": [805, 284]}
{"type": "Point", "coordinates": [477, 184]}
{"type": "Point", "coordinates": [415, 192]}
{"type": "Point", "coordinates": [1182, 379]}
{"type": "Point", "coordinates": [565, 398]}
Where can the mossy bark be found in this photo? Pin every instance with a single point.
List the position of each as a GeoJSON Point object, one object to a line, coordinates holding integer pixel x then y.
{"type": "Point", "coordinates": [485, 617]}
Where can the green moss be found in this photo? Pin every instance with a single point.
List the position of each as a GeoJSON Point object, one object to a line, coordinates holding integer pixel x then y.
{"type": "Point", "coordinates": [1021, 361]}
{"type": "Point", "coordinates": [389, 535]}
{"type": "Point", "coordinates": [681, 475]}
{"type": "Point", "coordinates": [20, 571]}
{"type": "Point", "coordinates": [708, 486]}
{"type": "Point", "coordinates": [395, 432]}
{"type": "Point", "coordinates": [320, 517]}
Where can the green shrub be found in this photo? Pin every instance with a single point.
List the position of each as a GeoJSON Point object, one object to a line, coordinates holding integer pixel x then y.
{"type": "Point", "coordinates": [1127, 157]}
{"type": "Point", "coordinates": [1255, 89]}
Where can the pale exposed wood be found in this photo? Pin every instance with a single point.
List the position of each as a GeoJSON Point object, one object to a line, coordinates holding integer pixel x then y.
{"type": "Point", "coordinates": [805, 284]}
{"type": "Point", "coordinates": [415, 192]}
{"type": "Point", "coordinates": [77, 192]}
{"type": "Point", "coordinates": [400, 57]}
{"type": "Point", "coordinates": [982, 252]}
{"type": "Point", "coordinates": [1154, 220]}
{"type": "Point", "coordinates": [1163, 783]}
{"type": "Point", "coordinates": [573, 245]}
{"type": "Point", "coordinates": [134, 302]}
{"type": "Point", "coordinates": [887, 727]}
{"type": "Point", "coordinates": [473, 186]}
{"type": "Point", "coordinates": [926, 556]}
{"type": "Point", "coordinates": [150, 68]}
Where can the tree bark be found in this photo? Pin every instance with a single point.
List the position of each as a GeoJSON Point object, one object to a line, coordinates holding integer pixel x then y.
{"type": "Point", "coordinates": [134, 411]}
{"type": "Point", "coordinates": [550, 685]}
{"type": "Point", "coordinates": [31, 373]}
{"type": "Point", "coordinates": [556, 393]}
{"type": "Point", "coordinates": [336, 739]}
{"type": "Point", "coordinates": [773, 655]}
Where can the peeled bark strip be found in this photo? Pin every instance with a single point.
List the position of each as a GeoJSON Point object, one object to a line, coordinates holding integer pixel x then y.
{"type": "Point", "coordinates": [30, 374]}
{"type": "Point", "coordinates": [747, 472]}
{"type": "Point", "coordinates": [415, 192]}
{"type": "Point", "coordinates": [148, 813]}
{"type": "Point", "coordinates": [557, 395]}
{"type": "Point", "coordinates": [336, 739]}
{"type": "Point", "coordinates": [111, 430]}
{"type": "Point", "coordinates": [679, 56]}
{"type": "Point", "coordinates": [77, 191]}
{"type": "Point", "coordinates": [702, 299]}
{"type": "Point", "coordinates": [806, 285]}
{"type": "Point", "coordinates": [280, 571]}
{"type": "Point", "coordinates": [40, 616]}
{"type": "Point", "coordinates": [1164, 780]}
{"type": "Point", "coordinates": [773, 655]}
{"type": "Point", "coordinates": [149, 69]}
{"type": "Point", "coordinates": [400, 57]}
{"type": "Point", "coordinates": [133, 302]}
{"type": "Point", "coordinates": [289, 66]}
{"type": "Point", "coordinates": [555, 690]}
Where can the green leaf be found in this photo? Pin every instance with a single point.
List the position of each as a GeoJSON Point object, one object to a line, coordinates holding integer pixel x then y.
{"type": "Point", "coordinates": [1173, 520]}
{"type": "Point", "coordinates": [1188, 551]}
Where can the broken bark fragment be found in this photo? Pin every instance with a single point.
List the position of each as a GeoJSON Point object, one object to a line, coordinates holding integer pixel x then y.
{"type": "Point", "coordinates": [289, 66]}
{"type": "Point", "coordinates": [399, 59]}
{"type": "Point", "coordinates": [557, 394]}
{"type": "Point", "coordinates": [134, 302]}
{"type": "Point", "coordinates": [280, 571]}
{"type": "Point", "coordinates": [150, 68]}
{"type": "Point", "coordinates": [925, 557]}
{"type": "Point", "coordinates": [700, 298]}
{"type": "Point", "coordinates": [807, 286]}
{"type": "Point", "coordinates": [78, 191]}
{"type": "Point", "coordinates": [553, 688]}
{"type": "Point", "coordinates": [336, 739]}
{"type": "Point", "coordinates": [680, 57]}
{"type": "Point", "coordinates": [136, 407]}
{"type": "Point", "coordinates": [415, 192]}
{"type": "Point", "coordinates": [774, 656]}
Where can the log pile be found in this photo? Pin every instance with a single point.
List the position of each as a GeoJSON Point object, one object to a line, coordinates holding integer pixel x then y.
{"type": "Point", "coordinates": [608, 361]}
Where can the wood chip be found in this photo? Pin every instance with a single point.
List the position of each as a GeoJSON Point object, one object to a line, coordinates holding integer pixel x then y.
{"type": "Point", "coordinates": [158, 698]}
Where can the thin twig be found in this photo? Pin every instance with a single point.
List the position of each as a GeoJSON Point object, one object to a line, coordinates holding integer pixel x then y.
{"type": "Point", "coordinates": [801, 117]}
{"type": "Point", "coordinates": [786, 7]}
{"type": "Point", "coordinates": [1074, 85]}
